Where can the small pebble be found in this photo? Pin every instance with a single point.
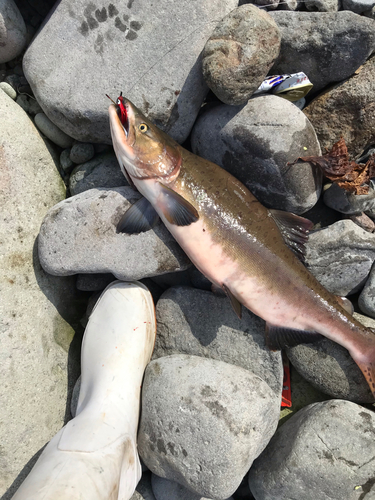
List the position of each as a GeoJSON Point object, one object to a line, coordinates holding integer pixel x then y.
{"type": "Point", "coordinates": [50, 130]}
{"type": "Point", "coordinates": [8, 89]}
{"type": "Point", "coordinates": [34, 107]}
{"type": "Point", "coordinates": [82, 152]}
{"type": "Point", "coordinates": [65, 161]}
{"type": "Point", "coordinates": [362, 220]}
{"type": "Point", "coordinates": [23, 101]}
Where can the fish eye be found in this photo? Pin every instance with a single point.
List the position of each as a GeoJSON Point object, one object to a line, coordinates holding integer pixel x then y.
{"type": "Point", "coordinates": [143, 127]}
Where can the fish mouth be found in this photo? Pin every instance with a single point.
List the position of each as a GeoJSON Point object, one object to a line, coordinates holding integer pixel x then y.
{"type": "Point", "coordinates": [122, 112]}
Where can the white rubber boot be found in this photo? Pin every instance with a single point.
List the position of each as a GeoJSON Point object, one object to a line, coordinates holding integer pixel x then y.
{"type": "Point", "coordinates": [94, 457]}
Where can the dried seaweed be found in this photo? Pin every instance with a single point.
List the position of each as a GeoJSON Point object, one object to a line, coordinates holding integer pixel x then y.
{"type": "Point", "coordinates": [349, 175]}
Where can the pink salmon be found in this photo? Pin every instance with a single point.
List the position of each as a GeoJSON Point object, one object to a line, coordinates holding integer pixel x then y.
{"type": "Point", "coordinates": [254, 254]}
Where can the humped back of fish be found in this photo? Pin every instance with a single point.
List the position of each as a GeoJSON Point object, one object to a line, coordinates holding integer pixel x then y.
{"type": "Point", "coordinates": [252, 252]}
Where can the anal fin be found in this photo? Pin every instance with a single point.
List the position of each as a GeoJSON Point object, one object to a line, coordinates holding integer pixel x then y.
{"type": "Point", "coordinates": [236, 304]}
{"type": "Point", "coordinates": [278, 337]}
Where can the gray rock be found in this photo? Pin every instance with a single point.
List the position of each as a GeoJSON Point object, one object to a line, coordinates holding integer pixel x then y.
{"type": "Point", "coordinates": [358, 6]}
{"type": "Point", "coordinates": [197, 322]}
{"type": "Point", "coordinates": [203, 422]}
{"type": "Point", "coordinates": [337, 112]}
{"type": "Point", "coordinates": [325, 451]}
{"type": "Point", "coordinates": [328, 367]}
{"type": "Point", "coordinates": [317, 43]}
{"type": "Point", "coordinates": [79, 235]}
{"type": "Point", "coordinates": [50, 130]}
{"type": "Point", "coordinates": [349, 203]}
{"type": "Point", "coordinates": [39, 313]}
{"type": "Point", "coordinates": [34, 107]}
{"type": "Point", "coordinates": [12, 31]}
{"type": "Point", "coordinates": [366, 300]}
{"type": "Point", "coordinates": [93, 282]}
{"type": "Point", "coordinates": [239, 53]}
{"type": "Point", "coordinates": [323, 5]}
{"type": "Point", "coordinates": [164, 489]}
{"type": "Point", "coordinates": [198, 280]}
{"type": "Point", "coordinates": [370, 13]}
{"type": "Point", "coordinates": [362, 220]}
{"type": "Point", "coordinates": [340, 256]}
{"type": "Point", "coordinates": [143, 490]}
{"type": "Point", "coordinates": [148, 41]}
{"type": "Point", "coordinates": [102, 171]}
{"type": "Point", "coordinates": [82, 152]}
{"type": "Point", "coordinates": [255, 142]}
{"type": "Point", "coordinates": [23, 101]}
{"type": "Point", "coordinates": [65, 161]}
{"type": "Point", "coordinates": [9, 90]}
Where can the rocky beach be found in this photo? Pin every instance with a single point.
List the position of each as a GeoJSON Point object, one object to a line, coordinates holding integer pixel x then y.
{"type": "Point", "coordinates": [211, 423]}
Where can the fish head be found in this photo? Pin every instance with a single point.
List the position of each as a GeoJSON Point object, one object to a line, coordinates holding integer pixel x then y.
{"type": "Point", "coordinates": [142, 149]}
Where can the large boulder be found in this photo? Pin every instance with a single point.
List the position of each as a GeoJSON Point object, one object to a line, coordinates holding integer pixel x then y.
{"type": "Point", "coordinates": [347, 110]}
{"type": "Point", "coordinates": [12, 31]}
{"type": "Point", "coordinates": [148, 51]}
{"type": "Point", "coordinates": [328, 367]}
{"type": "Point", "coordinates": [37, 310]}
{"type": "Point", "coordinates": [203, 422]}
{"type": "Point", "coordinates": [325, 451]}
{"type": "Point", "coordinates": [340, 256]}
{"type": "Point", "coordinates": [255, 142]}
{"type": "Point", "coordinates": [78, 235]}
{"type": "Point", "coordinates": [327, 46]}
{"type": "Point", "coordinates": [239, 53]}
{"type": "Point", "coordinates": [197, 322]}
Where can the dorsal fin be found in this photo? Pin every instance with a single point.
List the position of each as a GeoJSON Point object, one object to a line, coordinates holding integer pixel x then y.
{"type": "Point", "coordinates": [294, 229]}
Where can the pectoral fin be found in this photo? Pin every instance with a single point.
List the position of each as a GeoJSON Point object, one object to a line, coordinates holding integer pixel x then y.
{"type": "Point", "coordinates": [278, 337]}
{"type": "Point", "coordinates": [140, 217]}
{"type": "Point", "coordinates": [175, 208]}
{"type": "Point", "coordinates": [236, 304]}
{"type": "Point", "coordinates": [294, 229]}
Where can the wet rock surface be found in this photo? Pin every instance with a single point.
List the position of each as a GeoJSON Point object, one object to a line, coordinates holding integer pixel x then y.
{"type": "Point", "coordinates": [79, 236]}
{"type": "Point", "coordinates": [180, 424]}
{"type": "Point", "coordinates": [197, 322]}
{"type": "Point", "coordinates": [255, 142]}
{"type": "Point", "coordinates": [239, 54]}
{"type": "Point", "coordinates": [325, 451]}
